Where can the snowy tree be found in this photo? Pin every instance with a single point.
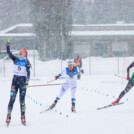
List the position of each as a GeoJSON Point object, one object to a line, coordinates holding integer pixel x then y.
{"type": "Point", "coordinates": [14, 12]}
{"type": "Point", "coordinates": [52, 21]}
{"type": "Point", "coordinates": [102, 11]}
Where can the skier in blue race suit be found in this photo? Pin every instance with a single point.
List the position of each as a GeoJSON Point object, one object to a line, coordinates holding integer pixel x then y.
{"type": "Point", "coordinates": [20, 81]}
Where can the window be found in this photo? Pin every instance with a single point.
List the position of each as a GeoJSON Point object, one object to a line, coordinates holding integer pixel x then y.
{"type": "Point", "coordinates": [100, 48]}
{"type": "Point", "coordinates": [120, 48]}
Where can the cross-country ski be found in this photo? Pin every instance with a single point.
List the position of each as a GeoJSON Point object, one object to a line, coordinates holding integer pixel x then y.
{"type": "Point", "coordinates": [110, 105]}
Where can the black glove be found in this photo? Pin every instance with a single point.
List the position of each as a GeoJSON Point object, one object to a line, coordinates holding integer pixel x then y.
{"type": "Point", "coordinates": [82, 71]}
{"type": "Point", "coordinates": [57, 76]}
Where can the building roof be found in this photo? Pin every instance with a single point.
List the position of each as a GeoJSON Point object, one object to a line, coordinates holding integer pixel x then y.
{"type": "Point", "coordinates": [101, 33]}
{"type": "Point", "coordinates": [19, 30]}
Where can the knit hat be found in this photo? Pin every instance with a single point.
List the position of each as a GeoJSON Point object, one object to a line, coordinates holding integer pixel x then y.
{"type": "Point", "coordinates": [24, 50]}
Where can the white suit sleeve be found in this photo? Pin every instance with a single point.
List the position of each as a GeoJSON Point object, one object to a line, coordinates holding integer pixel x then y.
{"type": "Point", "coordinates": [63, 72]}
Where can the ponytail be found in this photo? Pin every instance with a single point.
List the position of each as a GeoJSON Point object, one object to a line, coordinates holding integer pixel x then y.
{"type": "Point", "coordinates": [29, 63]}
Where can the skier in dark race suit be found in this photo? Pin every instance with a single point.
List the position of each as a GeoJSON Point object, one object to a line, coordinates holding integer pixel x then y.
{"type": "Point", "coordinates": [129, 85]}
{"type": "Point", "coordinates": [20, 81]}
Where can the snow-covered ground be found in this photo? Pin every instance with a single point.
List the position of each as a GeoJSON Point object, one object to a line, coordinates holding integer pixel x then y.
{"type": "Point", "coordinates": [93, 91]}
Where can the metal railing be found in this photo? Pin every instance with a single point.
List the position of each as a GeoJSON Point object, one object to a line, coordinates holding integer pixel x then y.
{"type": "Point", "coordinates": [91, 65]}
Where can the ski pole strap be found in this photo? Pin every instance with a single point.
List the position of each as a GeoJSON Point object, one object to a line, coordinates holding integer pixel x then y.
{"type": "Point", "coordinates": [47, 85]}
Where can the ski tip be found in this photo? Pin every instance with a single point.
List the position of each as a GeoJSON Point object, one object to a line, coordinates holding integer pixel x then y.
{"type": "Point", "coordinates": [98, 108]}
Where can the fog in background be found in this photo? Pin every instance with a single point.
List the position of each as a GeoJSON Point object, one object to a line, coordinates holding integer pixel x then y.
{"type": "Point", "coordinates": [52, 20]}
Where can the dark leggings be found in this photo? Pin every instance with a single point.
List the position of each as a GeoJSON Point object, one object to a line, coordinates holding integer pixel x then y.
{"type": "Point", "coordinates": [128, 87]}
{"type": "Point", "coordinates": [18, 83]}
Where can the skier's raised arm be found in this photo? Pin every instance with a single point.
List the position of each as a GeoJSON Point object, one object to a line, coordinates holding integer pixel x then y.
{"type": "Point", "coordinates": [8, 50]}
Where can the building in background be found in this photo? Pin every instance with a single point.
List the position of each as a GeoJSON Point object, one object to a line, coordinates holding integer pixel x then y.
{"type": "Point", "coordinates": [105, 40]}
{"type": "Point", "coordinates": [22, 36]}
{"type": "Point", "coordinates": [52, 22]}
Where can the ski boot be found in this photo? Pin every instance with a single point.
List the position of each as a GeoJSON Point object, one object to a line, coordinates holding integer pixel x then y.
{"type": "Point", "coordinates": [116, 101]}
{"type": "Point", "coordinates": [52, 106]}
{"type": "Point", "coordinates": [8, 119]}
{"type": "Point", "coordinates": [55, 102]}
{"type": "Point", "coordinates": [23, 120]}
{"type": "Point", "coordinates": [73, 109]}
{"type": "Point", "coordinates": [73, 105]}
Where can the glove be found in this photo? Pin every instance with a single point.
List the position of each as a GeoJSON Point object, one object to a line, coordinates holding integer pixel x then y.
{"type": "Point", "coordinates": [56, 77]}
{"type": "Point", "coordinates": [26, 84]}
{"type": "Point", "coordinates": [127, 77]}
{"type": "Point", "coordinates": [82, 71]}
{"type": "Point", "coordinates": [9, 41]}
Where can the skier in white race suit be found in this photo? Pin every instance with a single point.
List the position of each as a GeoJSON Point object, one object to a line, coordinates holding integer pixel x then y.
{"type": "Point", "coordinates": [71, 72]}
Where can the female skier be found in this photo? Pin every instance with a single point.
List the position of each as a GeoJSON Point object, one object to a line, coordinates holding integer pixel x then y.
{"type": "Point", "coordinates": [129, 85]}
{"type": "Point", "coordinates": [71, 82]}
{"type": "Point", "coordinates": [20, 81]}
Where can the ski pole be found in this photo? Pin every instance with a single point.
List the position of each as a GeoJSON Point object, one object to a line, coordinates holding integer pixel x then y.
{"type": "Point", "coordinates": [50, 81]}
{"type": "Point", "coordinates": [120, 76]}
{"type": "Point", "coordinates": [55, 79]}
{"type": "Point", "coordinates": [47, 85]}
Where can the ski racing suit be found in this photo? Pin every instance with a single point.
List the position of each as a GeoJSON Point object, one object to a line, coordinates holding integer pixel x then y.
{"type": "Point", "coordinates": [70, 82]}
{"type": "Point", "coordinates": [20, 80]}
